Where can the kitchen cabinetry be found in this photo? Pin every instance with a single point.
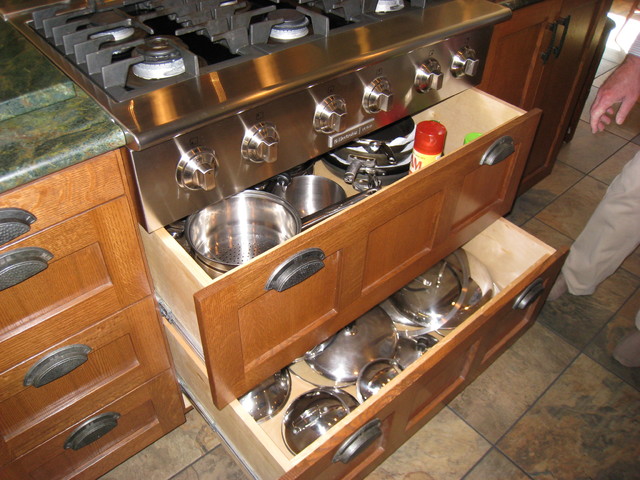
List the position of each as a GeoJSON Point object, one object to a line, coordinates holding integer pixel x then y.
{"type": "Point", "coordinates": [86, 380]}
{"type": "Point", "coordinates": [228, 334]}
{"type": "Point", "coordinates": [541, 58]}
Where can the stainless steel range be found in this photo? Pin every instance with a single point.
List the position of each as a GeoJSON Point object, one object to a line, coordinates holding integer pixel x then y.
{"type": "Point", "coordinates": [215, 96]}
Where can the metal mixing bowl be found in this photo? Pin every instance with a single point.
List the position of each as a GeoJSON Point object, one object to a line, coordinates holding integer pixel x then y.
{"type": "Point", "coordinates": [312, 414]}
{"type": "Point", "coordinates": [233, 231]}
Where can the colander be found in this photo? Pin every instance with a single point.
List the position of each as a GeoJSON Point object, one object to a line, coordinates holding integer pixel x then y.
{"type": "Point", "coordinates": [233, 231]}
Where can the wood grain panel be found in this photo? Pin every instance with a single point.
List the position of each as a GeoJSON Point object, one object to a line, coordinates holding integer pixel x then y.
{"type": "Point", "coordinates": [69, 192]}
{"type": "Point", "coordinates": [124, 355]}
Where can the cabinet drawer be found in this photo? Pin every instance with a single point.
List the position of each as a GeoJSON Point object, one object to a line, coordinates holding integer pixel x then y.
{"type": "Point", "coordinates": [123, 427]}
{"type": "Point", "coordinates": [515, 260]}
{"type": "Point", "coordinates": [371, 250]}
{"type": "Point", "coordinates": [96, 269]}
{"type": "Point", "coordinates": [54, 198]}
{"type": "Point", "coordinates": [112, 356]}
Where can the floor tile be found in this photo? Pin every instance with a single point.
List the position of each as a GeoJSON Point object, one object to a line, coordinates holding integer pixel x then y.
{"type": "Point", "coordinates": [495, 466]}
{"type": "Point", "coordinates": [215, 465]}
{"type": "Point", "coordinates": [548, 235]}
{"type": "Point", "coordinates": [604, 70]}
{"type": "Point", "coordinates": [570, 213]}
{"type": "Point", "coordinates": [444, 449]}
{"type": "Point", "coordinates": [498, 397]}
{"type": "Point", "coordinates": [586, 151]}
{"type": "Point", "coordinates": [602, 346]}
{"type": "Point", "coordinates": [608, 169]}
{"type": "Point", "coordinates": [542, 194]}
{"type": "Point", "coordinates": [586, 426]}
{"type": "Point", "coordinates": [579, 318]}
{"type": "Point", "coordinates": [632, 263]}
{"type": "Point", "coordinates": [170, 454]}
{"type": "Point", "coordinates": [631, 126]}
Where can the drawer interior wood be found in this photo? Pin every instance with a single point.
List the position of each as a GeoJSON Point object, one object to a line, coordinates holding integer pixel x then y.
{"type": "Point", "coordinates": [510, 255]}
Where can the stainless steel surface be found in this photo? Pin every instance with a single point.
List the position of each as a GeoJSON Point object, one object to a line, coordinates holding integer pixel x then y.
{"type": "Point", "coordinates": [268, 398]}
{"type": "Point", "coordinates": [232, 232]}
{"type": "Point", "coordinates": [320, 215]}
{"type": "Point", "coordinates": [375, 375]}
{"type": "Point", "coordinates": [312, 414]}
{"type": "Point", "coordinates": [441, 298]}
{"type": "Point", "coordinates": [310, 193]}
{"type": "Point", "coordinates": [341, 357]}
{"type": "Point", "coordinates": [270, 108]}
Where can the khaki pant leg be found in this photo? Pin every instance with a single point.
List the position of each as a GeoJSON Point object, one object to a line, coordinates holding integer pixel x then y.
{"type": "Point", "coordinates": [610, 235]}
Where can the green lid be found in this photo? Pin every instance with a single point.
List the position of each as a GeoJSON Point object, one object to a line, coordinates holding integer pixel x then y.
{"type": "Point", "coordinates": [469, 137]}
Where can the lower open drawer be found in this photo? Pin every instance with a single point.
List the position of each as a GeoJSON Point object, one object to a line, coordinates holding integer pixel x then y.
{"type": "Point", "coordinates": [523, 269]}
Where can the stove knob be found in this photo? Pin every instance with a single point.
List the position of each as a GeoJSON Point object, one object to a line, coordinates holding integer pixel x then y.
{"type": "Point", "coordinates": [465, 63]}
{"type": "Point", "coordinates": [378, 96]}
{"type": "Point", "coordinates": [429, 76]}
{"type": "Point", "coordinates": [260, 144]}
{"type": "Point", "coordinates": [329, 113]}
{"type": "Point", "coordinates": [197, 169]}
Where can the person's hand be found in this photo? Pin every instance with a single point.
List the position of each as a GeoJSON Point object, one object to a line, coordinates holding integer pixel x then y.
{"type": "Point", "coordinates": [623, 86]}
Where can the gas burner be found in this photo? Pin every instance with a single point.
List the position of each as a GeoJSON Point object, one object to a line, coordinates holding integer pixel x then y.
{"type": "Point", "coordinates": [162, 58]}
{"type": "Point", "coordinates": [386, 6]}
{"type": "Point", "coordinates": [294, 25]}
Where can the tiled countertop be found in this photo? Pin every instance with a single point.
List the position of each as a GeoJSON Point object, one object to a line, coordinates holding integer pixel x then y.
{"type": "Point", "coordinates": [46, 124]}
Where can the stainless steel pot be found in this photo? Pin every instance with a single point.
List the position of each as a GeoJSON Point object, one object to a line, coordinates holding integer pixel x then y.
{"type": "Point", "coordinates": [309, 193]}
{"type": "Point", "coordinates": [233, 231]}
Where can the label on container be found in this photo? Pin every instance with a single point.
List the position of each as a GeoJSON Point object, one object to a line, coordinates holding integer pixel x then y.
{"type": "Point", "coordinates": [420, 160]}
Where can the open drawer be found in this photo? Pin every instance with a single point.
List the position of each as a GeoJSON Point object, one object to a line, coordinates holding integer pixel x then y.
{"type": "Point", "coordinates": [521, 266]}
{"type": "Point", "coordinates": [246, 331]}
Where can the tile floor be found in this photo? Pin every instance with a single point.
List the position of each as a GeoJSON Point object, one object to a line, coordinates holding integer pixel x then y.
{"type": "Point", "coordinates": [554, 406]}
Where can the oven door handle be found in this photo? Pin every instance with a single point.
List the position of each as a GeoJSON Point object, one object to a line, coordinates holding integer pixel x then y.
{"type": "Point", "coordinates": [296, 269]}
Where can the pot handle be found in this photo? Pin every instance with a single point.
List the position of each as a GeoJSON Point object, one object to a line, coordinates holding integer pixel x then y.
{"type": "Point", "coordinates": [296, 269]}
{"type": "Point", "coordinates": [356, 443]}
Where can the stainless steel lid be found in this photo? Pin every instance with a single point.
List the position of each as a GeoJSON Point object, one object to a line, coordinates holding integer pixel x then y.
{"type": "Point", "coordinates": [268, 398]}
{"type": "Point", "coordinates": [341, 357]}
{"type": "Point", "coordinates": [312, 414]}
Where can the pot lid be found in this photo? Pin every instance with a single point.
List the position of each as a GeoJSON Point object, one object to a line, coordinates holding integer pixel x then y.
{"type": "Point", "coordinates": [341, 357]}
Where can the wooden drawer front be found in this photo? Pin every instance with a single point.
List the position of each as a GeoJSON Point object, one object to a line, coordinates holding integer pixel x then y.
{"type": "Point", "coordinates": [125, 351]}
{"type": "Point", "coordinates": [145, 415]}
{"type": "Point", "coordinates": [371, 250]}
{"type": "Point", "coordinates": [96, 269]}
{"type": "Point", "coordinates": [69, 192]}
{"type": "Point", "coordinates": [515, 259]}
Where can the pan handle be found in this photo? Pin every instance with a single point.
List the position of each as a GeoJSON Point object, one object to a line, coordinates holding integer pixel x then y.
{"type": "Point", "coordinates": [296, 269]}
{"type": "Point", "coordinates": [315, 218]}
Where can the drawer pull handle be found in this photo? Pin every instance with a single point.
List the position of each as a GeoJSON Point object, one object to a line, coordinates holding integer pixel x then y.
{"type": "Point", "coordinates": [529, 295]}
{"type": "Point", "coordinates": [18, 265]}
{"type": "Point", "coordinates": [358, 442]}
{"type": "Point", "coordinates": [296, 269]}
{"type": "Point", "coordinates": [498, 151]}
{"type": "Point", "coordinates": [13, 223]}
{"type": "Point", "coordinates": [56, 364]}
{"type": "Point", "coordinates": [92, 430]}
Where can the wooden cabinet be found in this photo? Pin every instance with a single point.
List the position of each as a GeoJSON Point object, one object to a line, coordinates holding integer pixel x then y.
{"type": "Point", "coordinates": [79, 328]}
{"type": "Point", "coordinates": [541, 57]}
{"type": "Point", "coordinates": [228, 334]}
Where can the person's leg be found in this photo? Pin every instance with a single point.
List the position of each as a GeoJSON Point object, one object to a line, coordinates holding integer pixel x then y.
{"type": "Point", "coordinates": [610, 235]}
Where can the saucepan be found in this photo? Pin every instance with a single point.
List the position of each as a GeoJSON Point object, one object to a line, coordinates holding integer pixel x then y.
{"type": "Point", "coordinates": [235, 230]}
{"type": "Point", "coordinates": [231, 232]}
{"type": "Point", "coordinates": [309, 193]}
